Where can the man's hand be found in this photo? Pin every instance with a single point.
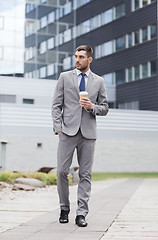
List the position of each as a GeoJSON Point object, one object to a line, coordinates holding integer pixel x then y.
{"type": "Point", "coordinates": [59, 133]}
{"type": "Point", "coordinates": [86, 103]}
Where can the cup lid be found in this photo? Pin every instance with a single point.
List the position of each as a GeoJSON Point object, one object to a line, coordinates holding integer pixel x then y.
{"type": "Point", "coordinates": [83, 93]}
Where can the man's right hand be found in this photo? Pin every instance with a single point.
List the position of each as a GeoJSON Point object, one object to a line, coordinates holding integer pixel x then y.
{"type": "Point", "coordinates": [59, 133]}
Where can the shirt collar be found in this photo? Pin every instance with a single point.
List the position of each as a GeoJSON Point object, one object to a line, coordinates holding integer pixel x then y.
{"type": "Point", "coordinates": [79, 72]}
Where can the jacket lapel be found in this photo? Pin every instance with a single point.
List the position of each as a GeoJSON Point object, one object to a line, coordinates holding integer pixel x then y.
{"type": "Point", "coordinates": [90, 80]}
{"type": "Point", "coordinates": [75, 80]}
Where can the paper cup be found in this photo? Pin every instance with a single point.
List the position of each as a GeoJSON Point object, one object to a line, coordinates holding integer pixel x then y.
{"type": "Point", "coordinates": [83, 94]}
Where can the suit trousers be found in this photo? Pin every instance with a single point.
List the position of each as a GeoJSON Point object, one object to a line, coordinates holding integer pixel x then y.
{"type": "Point", "coordinates": [85, 154]}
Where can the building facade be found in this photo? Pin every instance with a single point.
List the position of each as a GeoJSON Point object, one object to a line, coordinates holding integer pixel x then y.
{"type": "Point", "coordinates": [126, 139]}
{"type": "Point", "coordinates": [123, 35]}
{"type": "Point", "coordinates": [12, 40]}
{"type": "Point", "coordinates": [38, 39]}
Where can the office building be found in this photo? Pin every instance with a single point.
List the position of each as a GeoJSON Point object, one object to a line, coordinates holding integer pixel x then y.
{"type": "Point", "coordinates": [12, 40]}
{"type": "Point", "coordinates": [122, 33]}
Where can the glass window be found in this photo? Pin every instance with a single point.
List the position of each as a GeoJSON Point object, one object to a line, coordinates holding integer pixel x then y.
{"type": "Point", "coordinates": [85, 26]}
{"type": "Point", "coordinates": [26, 54]}
{"type": "Point", "coordinates": [29, 7]}
{"type": "Point", "coordinates": [136, 72]}
{"type": "Point", "coordinates": [57, 14]}
{"type": "Point", "coordinates": [43, 21]}
{"type": "Point", "coordinates": [51, 17]}
{"type": "Point", "coordinates": [43, 72]}
{"type": "Point", "coordinates": [34, 74]}
{"type": "Point", "coordinates": [99, 20]}
{"type": "Point", "coordinates": [144, 34]}
{"type": "Point", "coordinates": [130, 74]}
{"type": "Point", "coordinates": [38, 24]}
{"type": "Point", "coordinates": [50, 69]}
{"type": "Point", "coordinates": [144, 70]}
{"type": "Point", "coordinates": [120, 43]}
{"type": "Point", "coordinates": [129, 39]}
{"type": "Point", "coordinates": [29, 27]}
{"type": "Point", "coordinates": [50, 43]}
{"type": "Point", "coordinates": [120, 10]}
{"type": "Point", "coordinates": [74, 32]}
{"type": "Point", "coordinates": [120, 76]}
{"type": "Point", "coordinates": [28, 101]}
{"type": "Point", "coordinates": [108, 79]}
{"type": "Point", "coordinates": [153, 68]}
{"type": "Point", "coordinates": [93, 23]}
{"type": "Point", "coordinates": [78, 30]}
{"type": "Point", "coordinates": [60, 38]}
{"type": "Point", "coordinates": [86, 1]}
{"type": "Point", "coordinates": [145, 2]}
{"type": "Point", "coordinates": [57, 40]}
{"type": "Point", "coordinates": [67, 35]}
{"type": "Point", "coordinates": [78, 3]}
{"type": "Point", "coordinates": [136, 37]}
{"type": "Point", "coordinates": [31, 50]}
{"type": "Point", "coordinates": [98, 52]}
{"type": "Point", "coordinates": [7, 98]}
{"type": "Point", "coordinates": [39, 145]}
{"type": "Point", "coordinates": [43, 47]}
{"type": "Point", "coordinates": [67, 63]}
{"type": "Point", "coordinates": [153, 31]}
{"type": "Point", "coordinates": [107, 48]}
{"type": "Point", "coordinates": [61, 12]}
{"type": "Point", "coordinates": [74, 4]}
{"type": "Point", "coordinates": [136, 4]}
{"type": "Point", "coordinates": [67, 8]}
{"type": "Point", "coordinates": [108, 16]}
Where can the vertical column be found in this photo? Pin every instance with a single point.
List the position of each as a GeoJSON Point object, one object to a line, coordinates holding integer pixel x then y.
{"type": "Point", "coordinates": [3, 155]}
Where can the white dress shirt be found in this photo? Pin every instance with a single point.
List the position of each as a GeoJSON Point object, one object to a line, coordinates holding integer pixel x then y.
{"type": "Point", "coordinates": [79, 76]}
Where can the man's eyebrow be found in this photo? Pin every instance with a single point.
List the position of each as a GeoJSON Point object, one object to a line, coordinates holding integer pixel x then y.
{"type": "Point", "coordinates": [79, 55]}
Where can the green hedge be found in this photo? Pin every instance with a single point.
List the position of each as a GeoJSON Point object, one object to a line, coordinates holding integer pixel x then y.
{"type": "Point", "coordinates": [48, 179]}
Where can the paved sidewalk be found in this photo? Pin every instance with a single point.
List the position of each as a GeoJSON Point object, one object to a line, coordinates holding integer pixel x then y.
{"type": "Point", "coordinates": [120, 209]}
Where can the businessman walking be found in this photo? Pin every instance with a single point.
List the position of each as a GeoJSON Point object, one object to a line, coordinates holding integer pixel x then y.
{"type": "Point", "coordinates": [74, 120]}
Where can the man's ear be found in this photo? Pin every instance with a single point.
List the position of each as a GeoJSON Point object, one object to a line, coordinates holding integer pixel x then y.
{"type": "Point", "coordinates": [90, 59]}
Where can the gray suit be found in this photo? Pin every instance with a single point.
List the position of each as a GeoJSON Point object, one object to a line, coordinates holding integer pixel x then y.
{"type": "Point", "coordinates": [78, 128]}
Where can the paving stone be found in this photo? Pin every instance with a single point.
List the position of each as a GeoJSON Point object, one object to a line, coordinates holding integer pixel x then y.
{"type": "Point", "coordinates": [139, 217]}
{"type": "Point", "coordinates": [119, 210]}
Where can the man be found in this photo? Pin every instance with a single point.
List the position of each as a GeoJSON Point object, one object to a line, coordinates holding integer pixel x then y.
{"type": "Point", "coordinates": [74, 120]}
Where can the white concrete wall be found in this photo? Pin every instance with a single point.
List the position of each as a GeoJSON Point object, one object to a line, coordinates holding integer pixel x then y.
{"type": "Point", "coordinates": [38, 89]}
{"type": "Point", "coordinates": [127, 139]}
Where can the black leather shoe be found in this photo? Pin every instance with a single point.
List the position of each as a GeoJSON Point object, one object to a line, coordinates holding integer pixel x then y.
{"type": "Point", "coordinates": [80, 221]}
{"type": "Point", "coordinates": [64, 216]}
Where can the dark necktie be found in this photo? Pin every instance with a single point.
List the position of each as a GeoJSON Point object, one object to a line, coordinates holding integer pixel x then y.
{"type": "Point", "coordinates": [82, 83]}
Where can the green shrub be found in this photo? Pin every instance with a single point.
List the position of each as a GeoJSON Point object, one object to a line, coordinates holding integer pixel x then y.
{"type": "Point", "coordinates": [48, 179]}
{"type": "Point", "coordinates": [9, 177]}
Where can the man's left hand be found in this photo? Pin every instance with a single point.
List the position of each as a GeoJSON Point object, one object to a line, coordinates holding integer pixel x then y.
{"type": "Point", "coordinates": [86, 103]}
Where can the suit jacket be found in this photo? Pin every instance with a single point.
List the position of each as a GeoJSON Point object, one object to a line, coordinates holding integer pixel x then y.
{"type": "Point", "coordinates": [68, 116]}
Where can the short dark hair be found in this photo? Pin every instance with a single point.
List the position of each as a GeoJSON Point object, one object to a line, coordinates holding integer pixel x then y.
{"type": "Point", "coordinates": [86, 48]}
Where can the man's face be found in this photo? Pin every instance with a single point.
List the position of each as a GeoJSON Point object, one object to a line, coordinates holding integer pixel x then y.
{"type": "Point", "coordinates": [82, 61]}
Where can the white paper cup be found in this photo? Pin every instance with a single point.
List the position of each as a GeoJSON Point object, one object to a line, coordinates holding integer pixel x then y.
{"type": "Point", "coordinates": [83, 94]}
